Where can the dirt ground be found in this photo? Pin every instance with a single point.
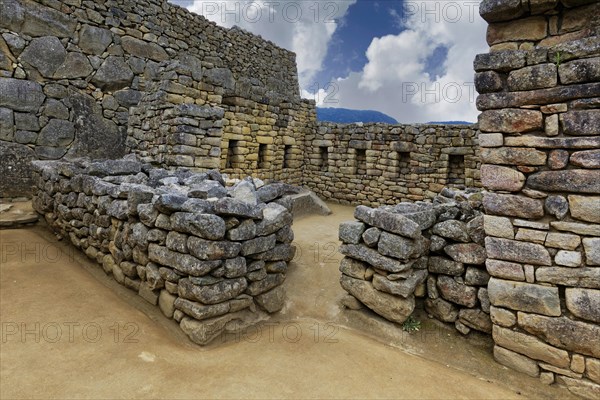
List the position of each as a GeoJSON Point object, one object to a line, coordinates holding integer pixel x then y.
{"type": "Point", "coordinates": [70, 332]}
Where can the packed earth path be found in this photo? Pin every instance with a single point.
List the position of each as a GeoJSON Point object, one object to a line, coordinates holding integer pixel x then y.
{"type": "Point", "coordinates": [69, 331]}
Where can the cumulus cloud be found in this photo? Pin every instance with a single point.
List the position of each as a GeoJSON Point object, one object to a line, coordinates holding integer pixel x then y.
{"type": "Point", "coordinates": [304, 27]}
{"type": "Point", "coordinates": [397, 78]}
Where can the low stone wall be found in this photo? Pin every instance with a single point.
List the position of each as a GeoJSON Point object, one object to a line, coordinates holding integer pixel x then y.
{"type": "Point", "coordinates": [392, 251]}
{"type": "Point", "coordinates": [213, 258]}
{"type": "Point", "coordinates": [376, 164]}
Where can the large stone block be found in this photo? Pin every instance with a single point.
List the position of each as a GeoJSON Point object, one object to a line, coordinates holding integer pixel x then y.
{"type": "Point", "coordinates": [532, 29]}
{"type": "Point", "coordinates": [592, 251]}
{"type": "Point", "coordinates": [516, 361]}
{"type": "Point", "coordinates": [494, 177]}
{"type": "Point", "coordinates": [498, 227]}
{"type": "Point", "coordinates": [581, 122]}
{"type": "Point", "coordinates": [502, 61]}
{"type": "Point", "coordinates": [387, 221]}
{"type": "Point", "coordinates": [15, 169]}
{"type": "Point", "coordinates": [212, 294]}
{"type": "Point", "coordinates": [393, 308]}
{"type": "Point", "coordinates": [113, 74]}
{"type": "Point", "coordinates": [372, 257]}
{"type": "Point", "coordinates": [505, 270]}
{"type": "Point", "coordinates": [34, 19]}
{"type": "Point", "coordinates": [457, 292]}
{"type": "Point", "coordinates": [586, 159]}
{"type": "Point", "coordinates": [524, 297]}
{"type": "Point", "coordinates": [21, 95]}
{"type": "Point", "coordinates": [441, 309]}
{"type": "Point", "coordinates": [513, 156]}
{"type": "Point", "coordinates": [513, 205]}
{"type": "Point", "coordinates": [403, 287]}
{"type": "Point", "coordinates": [467, 253]}
{"type": "Point", "coordinates": [94, 40]}
{"type": "Point", "coordinates": [400, 247]}
{"type": "Point", "coordinates": [58, 133]}
{"type": "Point", "coordinates": [501, 10]}
{"type": "Point", "coordinates": [442, 265]}
{"type": "Point", "coordinates": [584, 303]}
{"type": "Point", "coordinates": [510, 120]}
{"type": "Point", "coordinates": [574, 277]}
{"type": "Point", "coordinates": [580, 71]}
{"type": "Point", "coordinates": [577, 336]}
{"type": "Point", "coordinates": [533, 77]}
{"type": "Point", "coordinates": [143, 49]}
{"type": "Point", "coordinates": [512, 250]}
{"type": "Point", "coordinates": [45, 54]}
{"type": "Point", "coordinates": [351, 232]}
{"type": "Point", "coordinates": [585, 208]}
{"type": "Point", "coordinates": [572, 180]}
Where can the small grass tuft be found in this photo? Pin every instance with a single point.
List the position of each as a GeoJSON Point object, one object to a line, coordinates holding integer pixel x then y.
{"type": "Point", "coordinates": [411, 325]}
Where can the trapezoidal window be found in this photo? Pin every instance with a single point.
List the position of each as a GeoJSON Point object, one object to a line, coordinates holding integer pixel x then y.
{"type": "Point", "coordinates": [403, 163]}
{"type": "Point", "coordinates": [323, 159]}
{"type": "Point", "coordinates": [361, 161]}
{"type": "Point", "coordinates": [232, 149]}
{"type": "Point", "coordinates": [456, 169]}
{"type": "Point", "coordinates": [262, 156]}
{"type": "Point", "coordinates": [287, 156]}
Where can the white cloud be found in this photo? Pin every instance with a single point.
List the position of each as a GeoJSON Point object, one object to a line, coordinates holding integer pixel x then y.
{"type": "Point", "coordinates": [304, 27]}
{"type": "Point", "coordinates": [395, 79]}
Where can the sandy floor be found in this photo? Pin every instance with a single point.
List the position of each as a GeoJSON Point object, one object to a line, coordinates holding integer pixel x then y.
{"type": "Point", "coordinates": [69, 332]}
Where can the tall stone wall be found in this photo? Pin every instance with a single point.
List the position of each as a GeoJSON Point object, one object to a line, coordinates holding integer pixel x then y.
{"type": "Point", "coordinates": [376, 164]}
{"type": "Point", "coordinates": [70, 71]}
{"type": "Point", "coordinates": [540, 124]}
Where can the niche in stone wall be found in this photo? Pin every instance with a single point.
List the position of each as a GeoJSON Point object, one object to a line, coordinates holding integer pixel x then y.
{"type": "Point", "coordinates": [262, 156]}
{"type": "Point", "coordinates": [403, 167]}
{"type": "Point", "coordinates": [232, 151]}
{"type": "Point", "coordinates": [287, 156]}
{"type": "Point", "coordinates": [324, 158]}
{"type": "Point", "coordinates": [456, 169]}
{"type": "Point", "coordinates": [361, 161]}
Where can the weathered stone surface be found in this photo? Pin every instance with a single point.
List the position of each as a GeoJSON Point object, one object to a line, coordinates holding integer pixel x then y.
{"type": "Point", "coordinates": [181, 262]}
{"type": "Point", "coordinates": [233, 207]}
{"type": "Point", "coordinates": [574, 277]}
{"type": "Point", "coordinates": [456, 292]}
{"type": "Point", "coordinates": [488, 81]}
{"type": "Point", "coordinates": [351, 232]}
{"type": "Point", "coordinates": [33, 19]}
{"type": "Point", "coordinates": [390, 222]}
{"type": "Point", "coordinates": [516, 361]}
{"type": "Point", "coordinates": [213, 250]}
{"type": "Point", "coordinates": [513, 156]}
{"type": "Point", "coordinates": [498, 227]}
{"type": "Point", "coordinates": [552, 143]}
{"type": "Point", "coordinates": [575, 227]}
{"type": "Point", "coordinates": [400, 247]}
{"type": "Point", "coordinates": [584, 303]}
{"type": "Point", "coordinates": [562, 241]}
{"type": "Point", "coordinates": [271, 281]}
{"type": "Point", "coordinates": [354, 268]}
{"type": "Point", "coordinates": [476, 276]}
{"type": "Point", "coordinates": [572, 180]}
{"type": "Point", "coordinates": [556, 205]}
{"type": "Point", "coordinates": [500, 10]}
{"type": "Point", "coordinates": [530, 346]}
{"type": "Point", "coordinates": [532, 29]}
{"type": "Point", "coordinates": [580, 71]}
{"type": "Point", "coordinates": [491, 139]}
{"type": "Point", "coordinates": [584, 389]}
{"type": "Point", "coordinates": [258, 245]}
{"type": "Point", "coordinates": [207, 226]}
{"type": "Point", "coordinates": [281, 252]}
{"type": "Point", "coordinates": [586, 159]}
{"type": "Point", "coordinates": [76, 65]}
{"type": "Point", "coordinates": [441, 309]}
{"type": "Point", "coordinates": [505, 270]}
{"type": "Point", "coordinates": [502, 317]}
{"type": "Point", "coordinates": [510, 120]}
{"type": "Point", "coordinates": [524, 297]}
{"type": "Point", "coordinates": [404, 288]}
{"type": "Point", "coordinates": [371, 236]}
{"type": "Point", "coordinates": [467, 253]}
{"type": "Point", "coordinates": [372, 257]}
{"type": "Point", "coordinates": [580, 123]}
{"type": "Point", "coordinates": [45, 54]}
{"type": "Point", "coordinates": [502, 61]}
{"type": "Point", "coordinates": [275, 217]}
{"type": "Point", "coordinates": [57, 133]}
{"type": "Point", "coordinates": [442, 265]}
{"type": "Point", "coordinates": [142, 49]}
{"type": "Point", "coordinates": [475, 319]}
{"type": "Point", "coordinates": [533, 77]}
{"type": "Point", "coordinates": [113, 74]}
{"type": "Point", "coordinates": [568, 258]}
{"type": "Point", "coordinates": [21, 95]}
{"type": "Point", "coordinates": [200, 311]}
{"type": "Point", "coordinates": [592, 251]}
{"type": "Point", "coordinates": [495, 177]}
{"type": "Point", "coordinates": [513, 205]}
{"type": "Point", "coordinates": [273, 300]}
{"type": "Point", "coordinates": [512, 250]}
{"type": "Point", "coordinates": [559, 332]}
{"type": "Point", "coordinates": [452, 229]}
{"type": "Point", "coordinates": [94, 40]}
{"type": "Point", "coordinates": [393, 308]}
{"type": "Point", "coordinates": [203, 332]}
{"type": "Point", "coordinates": [212, 294]}
{"type": "Point", "coordinates": [15, 169]}
{"type": "Point", "coordinates": [592, 367]}
{"type": "Point", "coordinates": [586, 208]}
{"type": "Point", "coordinates": [166, 303]}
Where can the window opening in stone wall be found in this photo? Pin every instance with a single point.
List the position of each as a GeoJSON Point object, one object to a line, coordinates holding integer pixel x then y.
{"type": "Point", "coordinates": [232, 149]}
{"type": "Point", "coordinates": [287, 156]}
{"type": "Point", "coordinates": [361, 162]}
{"type": "Point", "coordinates": [403, 163]}
{"type": "Point", "coordinates": [262, 156]}
{"type": "Point", "coordinates": [324, 159]}
{"type": "Point", "coordinates": [456, 169]}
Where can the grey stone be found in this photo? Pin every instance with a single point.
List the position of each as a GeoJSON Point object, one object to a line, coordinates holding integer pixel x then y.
{"type": "Point", "coordinates": [206, 226]}
{"type": "Point", "coordinates": [524, 297]}
{"type": "Point", "coordinates": [212, 294]}
{"type": "Point", "coordinates": [76, 65]}
{"type": "Point", "coordinates": [393, 308]}
{"type": "Point", "coordinates": [258, 245]}
{"type": "Point", "coordinates": [229, 206]}
{"type": "Point", "coordinates": [200, 311]}
{"type": "Point", "coordinates": [568, 258]}
{"type": "Point", "coordinates": [15, 169]}
{"type": "Point", "coordinates": [512, 250]}
{"type": "Point", "coordinates": [264, 285]}
{"type": "Point", "coordinates": [372, 257]}
{"type": "Point", "coordinates": [510, 120]}
{"type": "Point", "coordinates": [533, 77]}
{"type": "Point", "coordinates": [403, 288]}
{"type": "Point", "coordinates": [513, 206]}
{"type": "Point", "coordinates": [207, 190]}
{"type": "Point", "coordinates": [351, 232]}
{"type": "Point", "coordinates": [235, 267]}
{"type": "Point", "coordinates": [580, 122]}
{"type": "Point", "coordinates": [586, 159]}
{"type": "Point", "coordinates": [503, 317]}
{"type": "Point", "coordinates": [244, 192]}
{"type": "Point", "coordinates": [584, 303]}
{"type": "Point", "coordinates": [456, 292]}
{"type": "Point", "coordinates": [502, 61]}
{"type": "Point", "coordinates": [275, 217]}
{"type": "Point", "coordinates": [442, 265]}
{"type": "Point", "coordinates": [45, 54]}
{"type": "Point", "coordinates": [142, 49]}
{"type": "Point", "coordinates": [488, 81]}
{"type": "Point", "coordinates": [592, 251]}
{"type": "Point", "coordinates": [371, 236]}
{"type": "Point", "coordinates": [390, 222]}
{"type": "Point", "coordinates": [530, 346]}
{"type": "Point", "coordinates": [437, 243]}
{"type": "Point", "coordinates": [462, 328]}
{"type": "Point", "coordinates": [353, 268]}
{"type": "Point", "coordinates": [21, 95]}
{"type": "Point", "coordinates": [26, 137]}
{"type": "Point", "coordinates": [400, 247]}
{"type": "Point", "coordinates": [572, 180]}
{"type": "Point", "coordinates": [441, 309]}
{"type": "Point", "coordinates": [585, 208]}
{"type": "Point", "coordinates": [56, 109]}
{"type": "Point", "coordinates": [222, 77]}
{"type": "Point", "coordinates": [516, 361]}
{"type": "Point", "coordinates": [467, 253]}
{"type": "Point", "coordinates": [560, 331]}
{"type": "Point", "coordinates": [33, 19]}
{"type": "Point", "coordinates": [203, 332]}
{"type": "Point", "coordinates": [244, 231]}
{"type": "Point", "coordinates": [476, 277]}
{"type": "Point", "coordinates": [501, 10]}
{"type": "Point", "coordinates": [94, 40]}
{"type": "Point", "coordinates": [574, 277]}
{"type": "Point", "coordinates": [476, 230]}
{"type": "Point", "coordinates": [181, 262]}
{"type": "Point", "coordinates": [272, 301]}
{"type": "Point", "coordinates": [452, 229]}
{"type": "Point", "coordinates": [505, 270]}
{"type": "Point", "coordinates": [484, 299]}
{"type": "Point", "coordinates": [57, 133]}
{"type": "Point", "coordinates": [212, 250]}
{"type": "Point", "coordinates": [557, 205]}
{"type": "Point", "coordinates": [7, 124]}
{"type": "Point", "coordinates": [495, 177]}
{"type": "Point", "coordinates": [128, 97]}
{"type": "Point", "coordinates": [113, 74]}
{"type": "Point", "coordinates": [281, 252]}
{"type": "Point", "coordinates": [475, 319]}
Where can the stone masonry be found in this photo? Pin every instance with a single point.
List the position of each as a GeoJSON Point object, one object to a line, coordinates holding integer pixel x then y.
{"type": "Point", "coordinates": [211, 257]}
{"type": "Point", "coordinates": [540, 136]}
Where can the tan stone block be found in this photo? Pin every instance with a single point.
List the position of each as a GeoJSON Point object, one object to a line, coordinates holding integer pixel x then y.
{"type": "Point", "coordinates": [531, 235]}
{"type": "Point", "coordinates": [562, 241]}
{"type": "Point", "coordinates": [533, 28]}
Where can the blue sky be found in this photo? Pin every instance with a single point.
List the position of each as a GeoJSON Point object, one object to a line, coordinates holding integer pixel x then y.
{"type": "Point", "coordinates": [409, 59]}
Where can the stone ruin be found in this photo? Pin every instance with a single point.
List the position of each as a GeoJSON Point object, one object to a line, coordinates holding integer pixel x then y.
{"type": "Point", "coordinates": [109, 78]}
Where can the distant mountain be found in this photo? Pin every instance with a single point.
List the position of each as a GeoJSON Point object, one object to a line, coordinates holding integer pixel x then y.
{"type": "Point", "coordinates": [346, 116]}
{"type": "Point", "coordinates": [450, 123]}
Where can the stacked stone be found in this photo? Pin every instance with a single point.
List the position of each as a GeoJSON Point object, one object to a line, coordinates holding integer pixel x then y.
{"type": "Point", "coordinates": [540, 126]}
{"type": "Point", "coordinates": [457, 282]}
{"type": "Point", "coordinates": [376, 164]}
{"type": "Point", "coordinates": [212, 257]}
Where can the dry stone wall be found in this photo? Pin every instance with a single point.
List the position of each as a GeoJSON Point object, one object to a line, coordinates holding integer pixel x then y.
{"type": "Point", "coordinates": [211, 257]}
{"type": "Point", "coordinates": [376, 164]}
{"type": "Point", "coordinates": [433, 251]}
{"type": "Point", "coordinates": [540, 124]}
{"type": "Point", "coordinates": [70, 70]}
